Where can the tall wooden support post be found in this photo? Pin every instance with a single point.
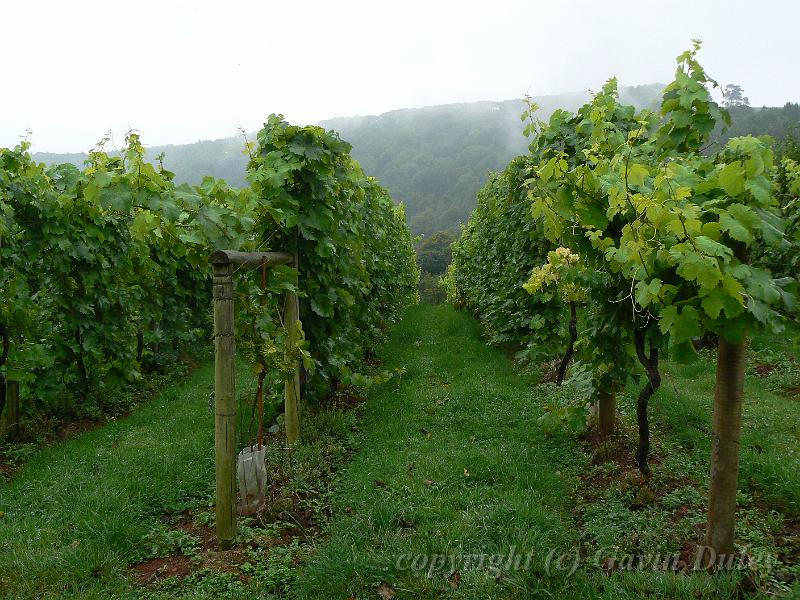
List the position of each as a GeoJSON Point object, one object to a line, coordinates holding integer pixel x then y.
{"type": "Point", "coordinates": [725, 433]}
{"type": "Point", "coordinates": [291, 392]}
{"type": "Point", "coordinates": [225, 403]}
{"type": "Point", "coordinates": [224, 262]}
{"type": "Point", "coordinates": [727, 426]}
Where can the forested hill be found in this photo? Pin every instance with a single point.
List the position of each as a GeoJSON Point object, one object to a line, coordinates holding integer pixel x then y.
{"type": "Point", "coordinates": [435, 158]}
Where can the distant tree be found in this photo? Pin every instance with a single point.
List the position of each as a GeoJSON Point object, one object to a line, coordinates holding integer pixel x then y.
{"type": "Point", "coordinates": [734, 96]}
{"type": "Point", "coordinates": [430, 292]}
{"type": "Point", "coordinates": [434, 252]}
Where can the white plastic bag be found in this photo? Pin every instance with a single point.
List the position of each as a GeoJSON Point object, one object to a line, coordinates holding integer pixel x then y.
{"type": "Point", "coordinates": [251, 471]}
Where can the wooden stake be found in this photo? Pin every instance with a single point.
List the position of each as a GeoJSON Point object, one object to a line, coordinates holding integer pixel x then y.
{"type": "Point", "coordinates": [291, 392]}
{"type": "Point", "coordinates": [225, 404]}
{"type": "Point", "coordinates": [726, 429]}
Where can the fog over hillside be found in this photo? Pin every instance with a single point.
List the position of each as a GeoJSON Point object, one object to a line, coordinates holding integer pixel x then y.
{"type": "Point", "coordinates": [435, 159]}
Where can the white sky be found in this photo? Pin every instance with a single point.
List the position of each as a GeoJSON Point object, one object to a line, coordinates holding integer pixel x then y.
{"type": "Point", "coordinates": [180, 71]}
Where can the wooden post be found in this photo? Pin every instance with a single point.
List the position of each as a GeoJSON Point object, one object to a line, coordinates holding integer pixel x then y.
{"type": "Point", "coordinates": [12, 410]}
{"type": "Point", "coordinates": [725, 433]}
{"type": "Point", "coordinates": [727, 426]}
{"type": "Point", "coordinates": [606, 412]}
{"type": "Point", "coordinates": [291, 391]}
{"type": "Point", "coordinates": [225, 404]}
{"type": "Point", "coordinates": [223, 262]}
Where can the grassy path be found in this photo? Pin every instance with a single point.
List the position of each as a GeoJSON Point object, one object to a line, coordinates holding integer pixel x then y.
{"type": "Point", "coordinates": [452, 464]}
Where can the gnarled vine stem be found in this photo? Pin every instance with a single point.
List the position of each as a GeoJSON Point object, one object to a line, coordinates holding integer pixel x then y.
{"type": "Point", "coordinates": [650, 364]}
{"type": "Point", "coordinates": [573, 336]}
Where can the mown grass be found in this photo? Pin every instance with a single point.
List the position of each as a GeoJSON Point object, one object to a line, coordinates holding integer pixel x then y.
{"type": "Point", "coordinates": [451, 464]}
{"type": "Point", "coordinates": [448, 459]}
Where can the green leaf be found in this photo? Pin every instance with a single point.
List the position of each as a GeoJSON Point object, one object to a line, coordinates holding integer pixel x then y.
{"type": "Point", "coordinates": [735, 228]}
{"type": "Point", "coordinates": [761, 190]}
{"type": "Point", "coordinates": [681, 326]}
{"type": "Point", "coordinates": [761, 285]}
{"type": "Point", "coordinates": [702, 269]}
{"type": "Point", "coordinates": [647, 292]}
{"type": "Point", "coordinates": [143, 224]}
{"type": "Point", "coordinates": [732, 179]}
{"type": "Point", "coordinates": [761, 311]}
{"type": "Point", "coordinates": [718, 300]}
{"type": "Point", "coordinates": [712, 248]}
{"type": "Point", "coordinates": [637, 174]}
{"type": "Point", "coordinates": [191, 237]}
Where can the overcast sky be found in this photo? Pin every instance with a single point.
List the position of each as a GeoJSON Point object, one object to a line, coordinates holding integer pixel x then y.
{"type": "Point", "coordinates": [181, 71]}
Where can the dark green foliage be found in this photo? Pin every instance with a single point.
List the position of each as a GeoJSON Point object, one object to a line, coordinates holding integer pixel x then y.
{"type": "Point", "coordinates": [96, 280]}
{"type": "Point", "coordinates": [434, 252]}
{"type": "Point", "coordinates": [106, 274]}
{"type": "Point", "coordinates": [785, 260]}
